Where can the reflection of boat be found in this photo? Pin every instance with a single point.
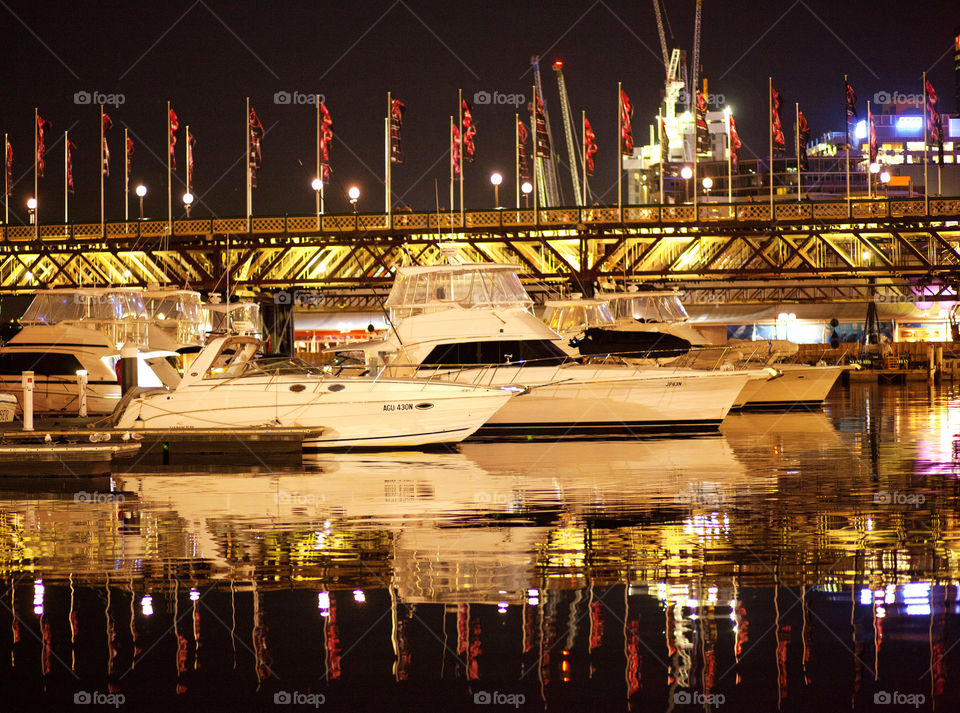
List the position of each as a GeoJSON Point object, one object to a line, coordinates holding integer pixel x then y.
{"type": "Point", "coordinates": [471, 323]}
{"type": "Point", "coordinates": [224, 387]}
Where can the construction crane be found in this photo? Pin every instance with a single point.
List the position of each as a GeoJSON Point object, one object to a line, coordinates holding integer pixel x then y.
{"type": "Point", "coordinates": [569, 131]}
{"type": "Point", "coordinates": [671, 64]}
{"type": "Point", "coordinates": [695, 68]}
{"type": "Point", "coordinates": [548, 183]}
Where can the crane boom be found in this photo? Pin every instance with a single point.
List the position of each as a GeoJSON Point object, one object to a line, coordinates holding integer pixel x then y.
{"type": "Point", "coordinates": [569, 131]}
{"type": "Point", "coordinates": [548, 184]}
{"type": "Point", "coordinates": [663, 38]}
{"type": "Point", "coordinates": [695, 69]}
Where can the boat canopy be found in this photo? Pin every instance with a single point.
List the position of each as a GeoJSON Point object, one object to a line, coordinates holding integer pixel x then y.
{"type": "Point", "coordinates": [420, 290]}
{"type": "Point", "coordinates": [575, 315]}
{"type": "Point", "coordinates": [242, 317]}
{"type": "Point", "coordinates": [645, 306]}
{"type": "Point", "coordinates": [176, 311]}
{"type": "Point", "coordinates": [90, 304]}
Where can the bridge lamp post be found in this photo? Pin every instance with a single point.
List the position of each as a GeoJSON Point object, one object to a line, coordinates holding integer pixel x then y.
{"type": "Point", "coordinates": [141, 191]}
{"type": "Point", "coordinates": [526, 189]}
{"type": "Point", "coordinates": [707, 185]}
{"type": "Point", "coordinates": [496, 179]}
{"type": "Point", "coordinates": [32, 210]}
{"type": "Point", "coordinates": [187, 201]}
{"type": "Point", "coordinates": [317, 186]}
{"type": "Point", "coordinates": [354, 194]}
{"type": "Point", "coordinates": [885, 179]}
{"type": "Point", "coordinates": [686, 173]}
{"type": "Point", "coordinates": [874, 170]}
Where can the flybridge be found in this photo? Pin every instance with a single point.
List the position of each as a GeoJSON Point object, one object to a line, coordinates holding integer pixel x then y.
{"type": "Point", "coordinates": [419, 290]}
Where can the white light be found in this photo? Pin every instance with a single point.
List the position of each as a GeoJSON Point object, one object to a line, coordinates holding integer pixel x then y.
{"type": "Point", "coordinates": [194, 595]}
{"type": "Point", "coordinates": [31, 203]}
{"type": "Point", "coordinates": [187, 198]}
{"type": "Point", "coordinates": [38, 597]}
{"type": "Point", "coordinates": [81, 372]}
{"type": "Point", "coordinates": [502, 607]}
{"type": "Point", "coordinates": [317, 184]}
{"type": "Point", "coordinates": [354, 193]}
{"type": "Point", "coordinates": [885, 177]}
{"type": "Point", "coordinates": [708, 183]}
{"type": "Point", "coordinates": [526, 187]}
{"type": "Point", "coordinates": [29, 275]}
{"type": "Point", "coordinates": [141, 190]}
{"type": "Point", "coordinates": [146, 605]}
{"type": "Point", "coordinates": [359, 596]}
{"type": "Point", "coordinates": [866, 255]}
{"type": "Point", "coordinates": [860, 131]}
{"type": "Point", "coordinates": [686, 173]}
{"type": "Point", "coordinates": [496, 179]}
{"type": "Point", "coordinates": [874, 167]}
{"type": "Point", "coordinates": [323, 603]}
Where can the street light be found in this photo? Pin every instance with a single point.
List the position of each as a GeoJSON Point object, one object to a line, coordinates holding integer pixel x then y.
{"type": "Point", "coordinates": [686, 173]}
{"type": "Point", "coordinates": [707, 185]}
{"type": "Point", "coordinates": [141, 191]}
{"type": "Point", "coordinates": [496, 179]}
{"type": "Point", "coordinates": [885, 179]}
{"type": "Point", "coordinates": [317, 185]}
{"type": "Point", "coordinates": [188, 201]}
{"type": "Point", "coordinates": [526, 189]}
{"type": "Point", "coordinates": [354, 194]}
{"type": "Point", "coordinates": [32, 209]}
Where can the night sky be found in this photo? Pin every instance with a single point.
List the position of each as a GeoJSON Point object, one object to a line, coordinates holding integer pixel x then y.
{"type": "Point", "coordinates": [208, 55]}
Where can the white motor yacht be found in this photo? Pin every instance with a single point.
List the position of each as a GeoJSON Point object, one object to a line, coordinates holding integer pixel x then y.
{"type": "Point", "coordinates": [473, 323]}
{"type": "Point", "coordinates": [224, 386]}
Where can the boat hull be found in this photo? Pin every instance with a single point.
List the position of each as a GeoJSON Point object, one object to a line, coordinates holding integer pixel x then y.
{"type": "Point", "coordinates": [798, 385]}
{"type": "Point", "coordinates": [60, 395]}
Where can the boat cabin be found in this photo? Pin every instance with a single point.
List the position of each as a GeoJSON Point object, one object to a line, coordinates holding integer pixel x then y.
{"type": "Point", "coordinates": [661, 306]}
{"type": "Point", "coordinates": [574, 315]}
{"type": "Point", "coordinates": [119, 314]}
{"type": "Point", "coordinates": [422, 290]}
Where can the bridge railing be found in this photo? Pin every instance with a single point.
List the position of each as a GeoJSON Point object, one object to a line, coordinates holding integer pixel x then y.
{"type": "Point", "coordinates": [879, 209]}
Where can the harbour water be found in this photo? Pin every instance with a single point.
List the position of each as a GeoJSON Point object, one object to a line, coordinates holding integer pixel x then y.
{"type": "Point", "coordinates": [798, 561]}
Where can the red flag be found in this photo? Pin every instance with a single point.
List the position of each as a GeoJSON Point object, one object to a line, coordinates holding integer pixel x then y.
{"type": "Point", "coordinates": [542, 138]}
{"type": "Point", "coordinates": [626, 130]}
{"type": "Point", "coordinates": [397, 108]}
{"type": "Point", "coordinates": [803, 137]}
{"type": "Point", "coordinates": [735, 144]}
{"type": "Point", "coordinates": [455, 147]}
{"type": "Point", "coordinates": [703, 133]}
{"type": "Point", "coordinates": [874, 144]}
{"type": "Point", "coordinates": [851, 99]}
{"type": "Point", "coordinates": [934, 120]}
{"type": "Point", "coordinates": [589, 145]}
{"type": "Point", "coordinates": [70, 147]}
{"type": "Point", "coordinates": [172, 139]}
{"type": "Point", "coordinates": [779, 142]}
{"type": "Point", "coordinates": [326, 136]}
{"type": "Point", "coordinates": [256, 134]}
{"type": "Point", "coordinates": [191, 140]}
{"type": "Point", "coordinates": [42, 126]}
{"type": "Point", "coordinates": [129, 154]}
{"type": "Point", "coordinates": [469, 131]}
{"type": "Point", "coordinates": [9, 167]}
{"type": "Point", "coordinates": [664, 143]}
{"type": "Point", "coordinates": [107, 124]}
{"type": "Point", "coordinates": [522, 136]}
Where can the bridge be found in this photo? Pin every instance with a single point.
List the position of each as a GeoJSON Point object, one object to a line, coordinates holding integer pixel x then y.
{"type": "Point", "coordinates": [749, 252]}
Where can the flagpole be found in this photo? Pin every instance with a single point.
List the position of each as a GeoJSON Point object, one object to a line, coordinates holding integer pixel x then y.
{"type": "Point", "coordinates": [387, 144]}
{"type": "Point", "coordinates": [451, 169]}
{"type": "Point", "coordinates": [583, 151]}
{"type": "Point", "coordinates": [6, 187]}
{"type": "Point", "coordinates": [926, 185]}
{"type": "Point", "coordinates": [619, 151]}
{"type": "Point", "coordinates": [66, 174]}
{"type": "Point", "coordinates": [460, 157]}
{"type": "Point", "coordinates": [319, 174]}
{"type": "Point", "coordinates": [101, 168]}
{"type": "Point", "coordinates": [186, 154]}
{"type": "Point", "coordinates": [729, 161]}
{"type": "Point", "coordinates": [533, 145]}
{"type": "Point", "coordinates": [660, 128]}
{"type": "Point", "coordinates": [126, 178]}
{"type": "Point", "coordinates": [770, 129]}
{"type": "Point", "coordinates": [869, 152]}
{"type": "Point", "coordinates": [249, 187]}
{"type": "Point", "coordinates": [847, 145]}
{"type": "Point", "coordinates": [516, 154]}
{"type": "Point", "coordinates": [796, 132]}
{"type": "Point", "coordinates": [36, 209]}
{"type": "Point", "coordinates": [169, 178]}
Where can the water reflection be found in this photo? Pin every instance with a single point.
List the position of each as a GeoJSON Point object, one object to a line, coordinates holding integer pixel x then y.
{"type": "Point", "coordinates": [797, 561]}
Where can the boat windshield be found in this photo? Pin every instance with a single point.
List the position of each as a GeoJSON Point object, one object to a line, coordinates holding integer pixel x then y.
{"type": "Point", "coordinates": [423, 290]}
{"type": "Point", "coordinates": [84, 305]}
{"type": "Point", "coordinates": [176, 311]}
{"type": "Point", "coordinates": [284, 365]}
{"type": "Point", "coordinates": [647, 308]}
{"type": "Point", "coordinates": [571, 317]}
{"type": "Point", "coordinates": [243, 317]}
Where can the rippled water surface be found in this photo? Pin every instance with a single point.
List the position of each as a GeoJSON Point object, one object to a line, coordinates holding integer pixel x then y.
{"type": "Point", "coordinates": [798, 562]}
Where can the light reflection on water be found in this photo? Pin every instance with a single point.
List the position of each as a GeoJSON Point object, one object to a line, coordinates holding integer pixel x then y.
{"type": "Point", "coordinates": [797, 560]}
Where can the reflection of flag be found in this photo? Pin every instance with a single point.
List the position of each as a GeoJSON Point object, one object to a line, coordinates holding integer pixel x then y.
{"type": "Point", "coordinates": [779, 142]}
{"type": "Point", "coordinates": [397, 108]}
{"type": "Point", "coordinates": [42, 126]}
{"type": "Point", "coordinates": [129, 154]}
{"type": "Point", "coordinates": [455, 147]}
{"type": "Point", "coordinates": [803, 137]}
{"type": "Point", "coordinates": [542, 139]}
{"type": "Point", "coordinates": [9, 167]}
{"type": "Point", "coordinates": [703, 135]}
{"type": "Point", "coordinates": [70, 147]}
{"type": "Point", "coordinates": [589, 145]}
{"type": "Point", "coordinates": [934, 120]}
{"type": "Point", "coordinates": [191, 140]}
{"type": "Point", "coordinates": [172, 139]}
{"type": "Point", "coordinates": [107, 124]}
{"type": "Point", "coordinates": [664, 143]}
{"type": "Point", "coordinates": [626, 130]}
{"type": "Point", "coordinates": [256, 134]}
{"type": "Point", "coordinates": [522, 135]}
{"type": "Point", "coordinates": [469, 131]}
{"type": "Point", "coordinates": [735, 144]}
{"type": "Point", "coordinates": [326, 136]}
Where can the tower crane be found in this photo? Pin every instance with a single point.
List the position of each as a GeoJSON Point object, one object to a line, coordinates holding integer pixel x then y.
{"type": "Point", "coordinates": [569, 131]}
{"type": "Point", "coordinates": [671, 64]}
{"type": "Point", "coordinates": [695, 68]}
{"type": "Point", "coordinates": [548, 183]}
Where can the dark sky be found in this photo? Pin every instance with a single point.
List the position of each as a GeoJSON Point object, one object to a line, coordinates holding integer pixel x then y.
{"type": "Point", "coordinates": [208, 55]}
